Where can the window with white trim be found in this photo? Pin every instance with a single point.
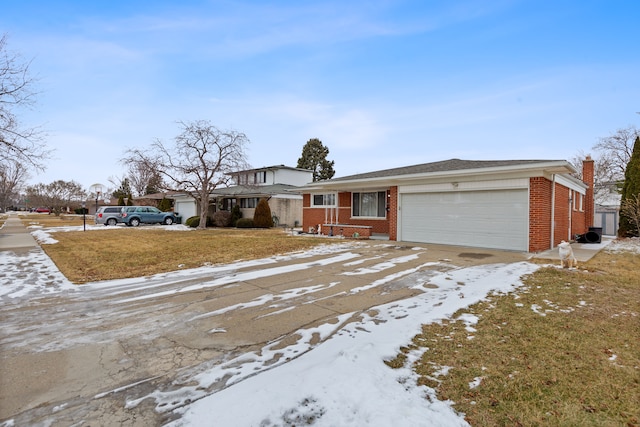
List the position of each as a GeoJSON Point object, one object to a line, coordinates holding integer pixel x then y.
{"type": "Point", "coordinates": [370, 204]}
{"type": "Point", "coordinates": [581, 207]}
{"type": "Point", "coordinates": [242, 179]}
{"type": "Point", "coordinates": [323, 200]}
{"type": "Point", "coordinates": [249, 202]}
{"type": "Point", "coordinates": [260, 177]}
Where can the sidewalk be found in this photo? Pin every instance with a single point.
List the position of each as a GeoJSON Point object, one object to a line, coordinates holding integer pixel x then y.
{"type": "Point", "coordinates": [582, 251]}
{"type": "Point", "coordinates": [15, 237]}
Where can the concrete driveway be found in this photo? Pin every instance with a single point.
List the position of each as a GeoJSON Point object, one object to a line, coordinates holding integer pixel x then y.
{"type": "Point", "coordinates": [94, 354]}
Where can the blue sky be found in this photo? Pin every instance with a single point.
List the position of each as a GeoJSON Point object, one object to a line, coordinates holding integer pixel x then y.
{"type": "Point", "coordinates": [381, 83]}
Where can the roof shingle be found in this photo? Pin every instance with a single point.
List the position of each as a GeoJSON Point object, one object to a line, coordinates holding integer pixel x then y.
{"type": "Point", "coordinates": [441, 166]}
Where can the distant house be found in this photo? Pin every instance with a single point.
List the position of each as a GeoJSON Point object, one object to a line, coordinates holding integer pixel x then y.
{"type": "Point", "coordinates": [521, 205]}
{"type": "Point", "coordinates": [278, 184]}
{"type": "Point", "coordinates": [607, 215]}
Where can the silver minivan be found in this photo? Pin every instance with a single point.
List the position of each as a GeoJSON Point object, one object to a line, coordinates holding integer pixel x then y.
{"type": "Point", "coordinates": [108, 215]}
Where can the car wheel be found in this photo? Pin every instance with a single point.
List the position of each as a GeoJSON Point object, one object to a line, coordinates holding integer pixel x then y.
{"type": "Point", "coordinates": [134, 222]}
{"type": "Point", "coordinates": [111, 221]}
{"type": "Point", "coordinates": [168, 221]}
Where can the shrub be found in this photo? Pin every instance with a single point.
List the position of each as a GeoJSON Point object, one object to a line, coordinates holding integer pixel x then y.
{"type": "Point", "coordinates": [262, 215]}
{"type": "Point", "coordinates": [165, 205]}
{"type": "Point", "coordinates": [236, 214]}
{"type": "Point", "coordinates": [192, 221]}
{"type": "Point", "coordinates": [221, 219]}
{"type": "Point", "coordinates": [245, 223]}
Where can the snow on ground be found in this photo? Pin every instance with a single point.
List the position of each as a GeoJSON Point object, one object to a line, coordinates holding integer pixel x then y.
{"type": "Point", "coordinates": [342, 381]}
{"type": "Point", "coordinates": [43, 235]}
{"type": "Point", "coordinates": [624, 245]}
{"type": "Point", "coordinates": [30, 273]}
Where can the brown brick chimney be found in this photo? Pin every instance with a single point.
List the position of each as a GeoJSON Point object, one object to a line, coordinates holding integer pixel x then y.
{"type": "Point", "coordinates": [588, 178]}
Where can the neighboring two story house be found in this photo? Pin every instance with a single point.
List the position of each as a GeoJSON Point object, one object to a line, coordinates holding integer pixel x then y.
{"type": "Point", "coordinates": [278, 184]}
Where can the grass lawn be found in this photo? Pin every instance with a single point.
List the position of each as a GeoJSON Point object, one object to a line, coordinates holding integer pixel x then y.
{"type": "Point", "coordinates": [563, 350]}
{"type": "Point", "coordinates": [122, 252]}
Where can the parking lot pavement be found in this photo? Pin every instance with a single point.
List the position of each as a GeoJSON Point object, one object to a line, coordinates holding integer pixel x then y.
{"type": "Point", "coordinates": [87, 352]}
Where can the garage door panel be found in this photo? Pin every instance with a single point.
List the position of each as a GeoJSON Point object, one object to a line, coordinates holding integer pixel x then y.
{"type": "Point", "coordinates": [491, 219]}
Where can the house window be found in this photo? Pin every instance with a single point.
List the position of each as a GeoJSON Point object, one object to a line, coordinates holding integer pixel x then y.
{"type": "Point", "coordinates": [227, 204]}
{"type": "Point", "coordinates": [249, 202]}
{"type": "Point", "coordinates": [373, 205]}
{"type": "Point", "coordinates": [581, 207]}
{"type": "Point", "coordinates": [323, 200]}
{"type": "Point", "coordinates": [243, 179]}
{"type": "Point", "coordinates": [260, 177]}
{"type": "Point", "coordinates": [577, 200]}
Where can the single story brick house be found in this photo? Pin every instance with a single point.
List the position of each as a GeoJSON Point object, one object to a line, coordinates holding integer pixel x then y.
{"type": "Point", "coordinates": [519, 205]}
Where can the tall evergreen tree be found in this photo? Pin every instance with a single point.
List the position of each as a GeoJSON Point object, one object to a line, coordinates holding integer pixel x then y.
{"type": "Point", "coordinates": [630, 190]}
{"type": "Point", "coordinates": [314, 157]}
{"type": "Point", "coordinates": [262, 215]}
{"type": "Point", "coordinates": [124, 191]}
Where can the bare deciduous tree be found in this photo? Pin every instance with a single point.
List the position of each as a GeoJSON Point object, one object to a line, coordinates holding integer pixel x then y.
{"type": "Point", "coordinates": [12, 177]}
{"type": "Point", "coordinates": [58, 195]}
{"type": "Point", "coordinates": [144, 180]}
{"type": "Point", "coordinates": [602, 180]}
{"type": "Point", "coordinates": [18, 143]}
{"type": "Point", "coordinates": [612, 156]}
{"type": "Point", "coordinates": [615, 152]}
{"type": "Point", "coordinates": [198, 162]}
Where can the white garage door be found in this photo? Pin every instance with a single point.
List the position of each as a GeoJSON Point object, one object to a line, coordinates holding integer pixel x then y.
{"type": "Point", "coordinates": [186, 209]}
{"type": "Point", "coordinates": [487, 219]}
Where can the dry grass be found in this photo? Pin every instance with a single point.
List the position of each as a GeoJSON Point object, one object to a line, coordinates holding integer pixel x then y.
{"type": "Point", "coordinates": [574, 362]}
{"type": "Point", "coordinates": [122, 252]}
{"type": "Point", "coordinates": [51, 220]}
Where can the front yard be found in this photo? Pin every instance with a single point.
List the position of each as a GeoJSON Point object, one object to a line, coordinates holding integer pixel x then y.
{"type": "Point", "coordinates": [562, 350]}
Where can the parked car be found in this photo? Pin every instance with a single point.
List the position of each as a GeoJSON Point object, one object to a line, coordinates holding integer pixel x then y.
{"type": "Point", "coordinates": [136, 215]}
{"type": "Point", "coordinates": [43, 210]}
{"type": "Point", "coordinates": [108, 215]}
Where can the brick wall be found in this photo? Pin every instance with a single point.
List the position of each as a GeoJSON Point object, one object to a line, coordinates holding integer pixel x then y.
{"type": "Point", "coordinates": [350, 231]}
{"type": "Point", "coordinates": [588, 178]}
{"type": "Point", "coordinates": [314, 216]}
{"type": "Point", "coordinates": [392, 213]}
{"type": "Point", "coordinates": [561, 231]}
{"type": "Point", "coordinates": [567, 222]}
{"type": "Point", "coordinates": [539, 214]}
{"type": "Point", "coordinates": [579, 224]}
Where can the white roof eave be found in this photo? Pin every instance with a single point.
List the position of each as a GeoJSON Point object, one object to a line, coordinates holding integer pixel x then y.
{"type": "Point", "coordinates": [560, 167]}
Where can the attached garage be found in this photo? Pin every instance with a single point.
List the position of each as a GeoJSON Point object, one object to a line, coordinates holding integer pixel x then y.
{"type": "Point", "coordinates": [489, 219]}
{"type": "Point", "coordinates": [517, 205]}
{"type": "Point", "coordinates": [186, 208]}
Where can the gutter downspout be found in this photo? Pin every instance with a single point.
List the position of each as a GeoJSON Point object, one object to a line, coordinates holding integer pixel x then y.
{"type": "Point", "coordinates": [571, 201]}
{"type": "Point", "coordinates": [553, 209]}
